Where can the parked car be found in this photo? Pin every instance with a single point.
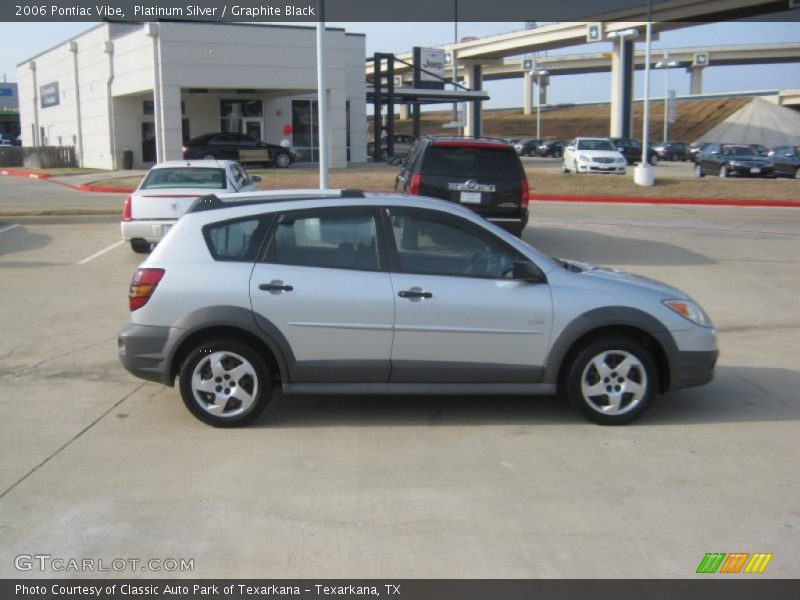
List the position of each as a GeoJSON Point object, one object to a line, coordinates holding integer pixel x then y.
{"type": "Point", "coordinates": [732, 159]}
{"type": "Point", "coordinates": [593, 155]}
{"type": "Point", "coordinates": [632, 150]}
{"type": "Point", "coordinates": [554, 148]}
{"type": "Point", "coordinates": [483, 174]}
{"type": "Point", "coordinates": [5, 142]}
{"type": "Point", "coordinates": [167, 191]}
{"type": "Point", "coordinates": [527, 147]}
{"type": "Point", "coordinates": [239, 147]}
{"type": "Point", "coordinates": [696, 149]}
{"type": "Point", "coordinates": [786, 160]}
{"type": "Point", "coordinates": [347, 293]}
{"type": "Point", "coordinates": [673, 151]}
{"type": "Point", "coordinates": [402, 145]}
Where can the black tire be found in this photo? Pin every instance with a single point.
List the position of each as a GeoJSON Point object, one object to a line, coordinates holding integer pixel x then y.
{"type": "Point", "coordinates": [797, 173]}
{"type": "Point", "coordinates": [723, 172]}
{"type": "Point", "coordinates": [582, 366]}
{"type": "Point", "coordinates": [698, 170]}
{"type": "Point", "coordinates": [654, 160]}
{"type": "Point", "coordinates": [256, 383]}
{"type": "Point", "coordinates": [141, 246]}
{"type": "Point", "coordinates": [282, 160]}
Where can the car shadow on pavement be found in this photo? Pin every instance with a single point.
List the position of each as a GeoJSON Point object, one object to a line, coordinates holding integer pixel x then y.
{"type": "Point", "coordinates": [601, 249]}
{"type": "Point", "coordinates": [738, 394]}
{"type": "Point", "coordinates": [20, 239]}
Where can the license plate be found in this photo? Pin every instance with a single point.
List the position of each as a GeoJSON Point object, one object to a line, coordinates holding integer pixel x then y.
{"type": "Point", "coordinates": [755, 170]}
{"type": "Point", "coordinates": [470, 197]}
{"type": "Point", "coordinates": [165, 229]}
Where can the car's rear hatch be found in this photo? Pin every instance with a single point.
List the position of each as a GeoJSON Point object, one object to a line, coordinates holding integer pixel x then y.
{"type": "Point", "coordinates": [484, 176]}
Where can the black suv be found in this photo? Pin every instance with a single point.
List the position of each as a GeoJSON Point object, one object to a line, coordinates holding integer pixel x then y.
{"type": "Point", "coordinates": [240, 147]}
{"type": "Point", "coordinates": [483, 174]}
{"type": "Point", "coordinates": [632, 150]}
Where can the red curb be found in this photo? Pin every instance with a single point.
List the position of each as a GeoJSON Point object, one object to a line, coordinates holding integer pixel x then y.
{"type": "Point", "coordinates": [694, 201]}
{"type": "Point", "coordinates": [85, 187]}
{"type": "Point", "coordinates": [26, 174]}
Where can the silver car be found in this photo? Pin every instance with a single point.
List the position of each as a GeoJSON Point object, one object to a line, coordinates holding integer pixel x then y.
{"type": "Point", "coordinates": [349, 293]}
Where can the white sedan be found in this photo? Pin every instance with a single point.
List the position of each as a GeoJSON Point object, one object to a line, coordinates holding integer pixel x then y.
{"type": "Point", "coordinates": [593, 155]}
{"type": "Point", "coordinates": [167, 192]}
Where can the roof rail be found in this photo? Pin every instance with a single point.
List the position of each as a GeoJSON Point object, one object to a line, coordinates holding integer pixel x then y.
{"type": "Point", "coordinates": [214, 202]}
{"type": "Point", "coordinates": [456, 138]}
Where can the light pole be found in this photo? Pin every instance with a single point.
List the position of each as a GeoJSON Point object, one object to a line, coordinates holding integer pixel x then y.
{"type": "Point", "coordinates": [666, 64]}
{"type": "Point", "coordinates": [643, 172]}
{"type": "Point", "coordinates": [622, 35]}
{"type": "Point", "coordinates": [537, 74]}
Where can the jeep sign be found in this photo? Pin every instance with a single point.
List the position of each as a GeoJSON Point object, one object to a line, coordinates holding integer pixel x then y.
{"type": "Point", "coordinates": [431, 64]}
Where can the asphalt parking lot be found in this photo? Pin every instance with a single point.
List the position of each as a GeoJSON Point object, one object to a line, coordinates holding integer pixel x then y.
{"type": "Point", "coordinates": [97, 464]}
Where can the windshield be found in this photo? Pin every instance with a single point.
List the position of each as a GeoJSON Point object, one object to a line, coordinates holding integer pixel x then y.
{"type": "Point", "coordinates": [499, 162]}
{"type": "Point", "coordinates": [596, 145]}
{"type": "Point", "coordinates": [185, 177]}
{"type": "Point", "coordinates": [738, 151]}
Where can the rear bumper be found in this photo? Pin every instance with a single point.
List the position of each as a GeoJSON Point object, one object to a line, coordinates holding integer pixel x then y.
{"type": "Point", "coordinates": [143, 351]}
{"type": "Point", "coordinates": [150, 231]}
{"type": "Point", "coordinates": [514, 223]}
{"type": "Point", "coordinates": [692, 368]}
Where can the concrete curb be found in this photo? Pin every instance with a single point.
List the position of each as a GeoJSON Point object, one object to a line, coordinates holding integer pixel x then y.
{"type": "Point", "coordinates": [26, 174]}
{"type": "Point", "coordinates": [86, 187]}
{"type": "Point", "coordinates": [684, 201]}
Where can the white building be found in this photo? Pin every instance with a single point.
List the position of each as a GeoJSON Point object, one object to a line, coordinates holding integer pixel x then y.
{"type": "Point", "coordinates": [148, 87]}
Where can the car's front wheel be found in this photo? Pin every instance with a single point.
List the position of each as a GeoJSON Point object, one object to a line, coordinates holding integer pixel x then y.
{"type": "Point", "coordinates": [225, 383]}
{"type": "Point", "coordinates": [698, 170]}
{"type": "Point", "coordinates": [611, 381]}
{"type": "Point", "coordinates": [723, 171]}
{"type": "Point", "coordinates": [282, 160]}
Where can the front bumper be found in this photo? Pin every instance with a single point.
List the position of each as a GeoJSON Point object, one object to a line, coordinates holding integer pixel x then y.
{"type": "Point", "coordinates": [142, 351]}
{"type": "Point", "coordinates": [745, 170]}
{"type": "Point", "coordinates": [616, 168]}
{"type": "Point", "coordinates": [692, 368]}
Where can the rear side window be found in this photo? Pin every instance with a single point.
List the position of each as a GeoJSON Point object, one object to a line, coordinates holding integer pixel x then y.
{"type": "Point", "coordinates": [499, 162]}
{"type": "Point", "coordinates": [236, 240]}
{"type": "Point", "coordinates": [184, 177]}
{"type": "Point", "coordinates": [336, 240]}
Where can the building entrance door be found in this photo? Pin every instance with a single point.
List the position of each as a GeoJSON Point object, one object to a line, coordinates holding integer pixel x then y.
{"type": "Point", "coordinates": [148, 142]}
{"type": "Point", "coordinates": [252, 127]}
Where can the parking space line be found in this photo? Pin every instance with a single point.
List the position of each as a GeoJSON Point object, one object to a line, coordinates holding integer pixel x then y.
{"type": "Point", "coordinates": [101, 252]}
{"type": "Point", "coordinates": [4, 229]}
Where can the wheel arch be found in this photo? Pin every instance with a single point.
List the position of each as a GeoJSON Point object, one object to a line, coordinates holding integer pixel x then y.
{"type": "Point", "coordinates": [608, 322]}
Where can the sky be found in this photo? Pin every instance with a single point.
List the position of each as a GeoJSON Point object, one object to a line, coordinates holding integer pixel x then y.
{"type": "Point", "coordinates": [20, 41]}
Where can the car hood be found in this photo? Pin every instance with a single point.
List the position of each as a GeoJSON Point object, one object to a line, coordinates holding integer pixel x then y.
{"type": "Point", "coordinates": [616, 275]}
{"type": "Point", "coordinates": [599, 153]}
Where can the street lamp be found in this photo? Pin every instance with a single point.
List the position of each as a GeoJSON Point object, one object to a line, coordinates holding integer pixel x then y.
{"type": "Point", "coordinates": [643, 172]}
{"type": "Point", "coordinates": [537, 73]}
{"type": "Point", "coordinates": [622, 35]}
{"type": "Point", "coordinates": [666, 64]}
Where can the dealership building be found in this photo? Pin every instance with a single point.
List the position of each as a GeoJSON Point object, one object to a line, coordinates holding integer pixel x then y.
{"type": "Point", "coordinates": [145, 88]}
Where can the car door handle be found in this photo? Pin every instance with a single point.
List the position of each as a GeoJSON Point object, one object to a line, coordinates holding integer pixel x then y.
{"type": "Point", "coordinates": [275, 287]}
{"type": "Point", "coordinates": [414, 294]}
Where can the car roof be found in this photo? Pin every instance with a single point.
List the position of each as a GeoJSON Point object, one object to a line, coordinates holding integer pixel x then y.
{"type": "Point", "coordinates": [203, 163]}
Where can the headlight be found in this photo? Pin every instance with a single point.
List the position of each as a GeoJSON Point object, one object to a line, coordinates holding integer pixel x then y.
{"type": "Point", "coordinates": [689, 310]}
{"type": "Point", "coordinates": [583, 158]}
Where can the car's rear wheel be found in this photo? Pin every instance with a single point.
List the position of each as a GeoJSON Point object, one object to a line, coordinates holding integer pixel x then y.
{"type": "Point", "coordinates": [282, 160]}
{"type": "Point", "coordinates": [611, 381]}
{"type": "Point", "coordinates": [225, 383]}
{"type": "Point", "coordinates": [141, 246]}
{"type": "Point", "coordinates": [698, 170]}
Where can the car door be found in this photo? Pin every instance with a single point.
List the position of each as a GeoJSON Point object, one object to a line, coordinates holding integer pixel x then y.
{"type": "Point", "coordinates": [323, 288]}
{"type": "Point", "coordinates": [460, 317]}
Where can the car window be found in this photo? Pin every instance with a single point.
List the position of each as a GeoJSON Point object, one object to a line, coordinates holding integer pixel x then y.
{"type": "Point", "coordinates": [596, 145]}
{"type": "Point", "coordinates": [435, 245]}
{"type": "Point", "coordinates": [738, 151]}
{"type": "Point", "coordinates": [222, 140]}
{"type": "Point", "coordinates": [328, 239]}
{"type": "Point", "coordinates": [185, 177]}
{"type": "Point", "coordinates": [236, 240]}
{"type": "Point", "coordinates": [472, 161]}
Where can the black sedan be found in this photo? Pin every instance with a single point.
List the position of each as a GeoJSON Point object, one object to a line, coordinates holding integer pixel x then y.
{"type": "Point", "coordinates": [554, 148]}
{"type": "Point", "coordinates": [673, 151]}
{"type": "Point", "coordinates": [732, 159]}
{"type": "Point", "coordinates": [696, 149]}
{"type": "Point", "coordinates": [239, 147]}
{"type": "Point", "coordinates": [632, 150]}
{"type": "Point", "coordinates": [527, 147]}
{"type": "Point", "coordinates": [786, 160]}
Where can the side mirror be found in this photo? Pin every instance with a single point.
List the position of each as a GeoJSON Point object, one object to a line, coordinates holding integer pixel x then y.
{"type": "Point", "coordinates": [570, 148]}
{"type": "Point", "coordinates": [255, 178]}
{"type": "Point", "coordinates": [527, 271]}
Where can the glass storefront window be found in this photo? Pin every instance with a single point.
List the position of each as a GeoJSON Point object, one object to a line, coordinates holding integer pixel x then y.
{"type": "Point", "coordinates": [232, 112]}
{"type": "Point", "coordinates": [305, 130]}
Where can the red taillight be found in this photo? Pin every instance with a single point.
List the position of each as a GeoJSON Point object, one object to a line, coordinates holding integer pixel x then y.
{"type": "Point", "coordinates": [524, 192]}
{"type": "Point", "coordinates": [126, 209]}
{"type": "Point", "coordinates": [142, 287]}
{"type": "Point", "coordinates": [416, 182]}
